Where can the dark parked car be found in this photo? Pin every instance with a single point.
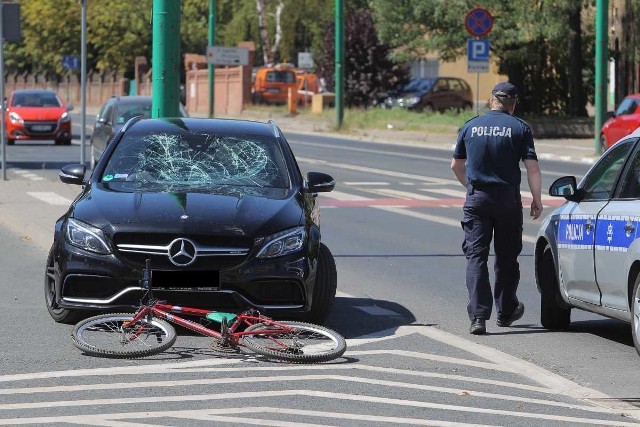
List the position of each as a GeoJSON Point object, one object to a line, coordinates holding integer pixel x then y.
{"type": "Point", "coordinates": [432, 94]}
{"type": "Point", "coordinates": [622, 122]}
{"type": "Point", "coordinates": [114, 114]}
{"type": "Point", "coordinates": [218, 206]}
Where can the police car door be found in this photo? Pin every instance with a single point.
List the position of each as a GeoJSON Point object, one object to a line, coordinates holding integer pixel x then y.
{"type": "Point", "coordinates": [577, 228]}
{"type": "Point", "coordinates": [617, 232]}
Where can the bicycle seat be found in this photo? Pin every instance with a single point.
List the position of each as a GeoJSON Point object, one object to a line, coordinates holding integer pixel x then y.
{"type": "Point", "coordinates": [217, 316]}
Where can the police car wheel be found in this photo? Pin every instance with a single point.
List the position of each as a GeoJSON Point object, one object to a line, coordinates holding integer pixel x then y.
{"type": "Point", "coordinates": [553, 311]}
{"type": "Point", "coordinates": [635, 314]}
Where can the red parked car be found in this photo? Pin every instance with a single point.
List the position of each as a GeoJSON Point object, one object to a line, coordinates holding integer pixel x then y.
{"type": "Point", "coordinates": [622, 122]}
{"type": "Point", "coordinates": [37, 114]}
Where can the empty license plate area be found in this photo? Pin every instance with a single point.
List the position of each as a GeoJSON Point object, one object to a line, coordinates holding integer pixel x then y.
{"type": "Point", "coordinates": [186, 280]}
{"type": "Point", "coordinates": [41, 128]}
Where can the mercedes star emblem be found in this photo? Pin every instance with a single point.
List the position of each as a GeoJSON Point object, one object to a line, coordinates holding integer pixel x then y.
{"type": "Point", "coordinates": [182, 252]}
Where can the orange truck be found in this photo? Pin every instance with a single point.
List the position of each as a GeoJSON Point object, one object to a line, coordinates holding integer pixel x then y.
{"type": "Point", "coordinates": [272, 84]}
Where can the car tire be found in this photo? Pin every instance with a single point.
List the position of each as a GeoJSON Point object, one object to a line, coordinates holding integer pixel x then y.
{"type": "Point", "coordinates": [635, 314]}
{"type": "Point", "coordinates": [324, 289]}
{"type": "Point", "coordinates": [554, 313]}
{"type": "Point", "coordinates": [429, 109]}
{"type": "Point", "coordinates": [11, 141]}
{"type": "Point", "coordinates": [60, 315]}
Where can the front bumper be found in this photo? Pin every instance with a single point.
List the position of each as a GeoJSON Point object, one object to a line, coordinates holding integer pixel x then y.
{"type": "Point", "coordinates": [106, 282]}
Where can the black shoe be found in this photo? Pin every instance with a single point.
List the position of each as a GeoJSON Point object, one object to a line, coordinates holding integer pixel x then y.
{"type": "Point", "coordinates": [504, 321]}
{"type": "Point", "coordinates": [478, 326]}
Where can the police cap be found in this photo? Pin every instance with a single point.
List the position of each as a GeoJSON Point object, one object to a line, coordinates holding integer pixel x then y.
{"type": "Point", "coordinates": [505, 90]}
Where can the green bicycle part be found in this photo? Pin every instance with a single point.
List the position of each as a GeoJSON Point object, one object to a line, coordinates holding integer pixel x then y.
{"type": "Point", "coordinates": [217, 316]}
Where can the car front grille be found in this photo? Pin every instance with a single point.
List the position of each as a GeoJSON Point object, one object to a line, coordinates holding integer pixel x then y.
{"type": "Point", "coordinates": [40, 127]}
{"type": "Point", "coordinates": [210, 253]}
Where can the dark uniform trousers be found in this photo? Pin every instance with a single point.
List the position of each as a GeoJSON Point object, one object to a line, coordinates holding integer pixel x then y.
{"type": "Point", "coordinates": [492, 211]}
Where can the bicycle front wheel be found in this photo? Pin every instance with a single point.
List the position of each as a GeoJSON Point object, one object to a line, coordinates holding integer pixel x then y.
{"type": "Point", "coordinates": [295, 342]}
{"type": "Point", "coordinates": [105, 335]}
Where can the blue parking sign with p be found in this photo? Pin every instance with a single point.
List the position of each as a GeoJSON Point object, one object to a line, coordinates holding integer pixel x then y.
{"type": "Point", "coordinates": [478, 49]}
{"type": "Point", "coordinates": [70, 62]}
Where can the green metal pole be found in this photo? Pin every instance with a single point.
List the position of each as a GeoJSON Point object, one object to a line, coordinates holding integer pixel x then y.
{"type": "Point", "coordinates": [212, 42]}
{"type": "Point", "coordinates": [339, 63]}
{"type": "Point", "coordinates": [602, 54]}
{"type": "Point", "coordinates": [166, 59]}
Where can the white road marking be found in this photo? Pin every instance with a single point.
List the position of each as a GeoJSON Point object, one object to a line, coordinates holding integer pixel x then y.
{"type": "Point", "coordinates": [50, 197]}
{"type": "Point", "coordinates": [339, 195]}
{"type": "Point", "coordinates": [435, 218]}
{"type": "Point", "coordinates": [376, 171]}
{"type": "Point", "coordinates": [28, 174]}
{"type": "Point", "coordinates": [235, 417]}
{"type": "Point", "coordinates": [266, 394]}
{"type": "Point", "coordinates": [458, 194]}
{"type": "Point", "coordinates": [407, 195]}
{"type": "Point", "coordinates": [365, 183]}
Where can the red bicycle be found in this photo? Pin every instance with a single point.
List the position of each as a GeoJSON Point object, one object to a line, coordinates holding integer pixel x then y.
{"type": "Point", "coordinates": [148, 331]}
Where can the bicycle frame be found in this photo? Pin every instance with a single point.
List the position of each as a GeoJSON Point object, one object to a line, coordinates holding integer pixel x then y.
{"type": "Point", "coordinates": [231, 332]}
{"type": "Point", "coordinates": [150, 307]}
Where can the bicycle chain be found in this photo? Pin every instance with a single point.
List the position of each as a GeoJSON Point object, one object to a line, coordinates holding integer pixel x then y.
{"type": "Point", "coordinates": [217, 346]}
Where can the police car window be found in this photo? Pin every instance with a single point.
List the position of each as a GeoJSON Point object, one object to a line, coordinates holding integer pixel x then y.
{"type": "Point", "coordinates": [601, 180]}
{"type": "Point", "coordinates": [630, 183]}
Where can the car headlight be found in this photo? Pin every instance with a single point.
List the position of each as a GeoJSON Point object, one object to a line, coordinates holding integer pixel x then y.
{"type": "Point", "coordinates": [411, 101]}
{"type": "Point", "coordinates": [65, 117]}
{"type": "Point", "coordinates": [283, 243]}
{"type": "Point", "coordinates": [15, 118]}
{"type": "Point", "coordinates": [85, 236]}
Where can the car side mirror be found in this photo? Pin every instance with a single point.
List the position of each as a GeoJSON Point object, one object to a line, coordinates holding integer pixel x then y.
{"type": "Point", "coordinates": [318, 182]}
{"type": "Point", "coordinates": [565, 187]}
{"type": "Point", "coordinates": [72, 174]}
{"type": "Point", "coordinates": [610, 114]}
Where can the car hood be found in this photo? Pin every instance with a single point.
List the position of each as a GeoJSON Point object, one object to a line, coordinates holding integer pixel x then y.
{"type": "Point", "coordinates": [39, 113]}
{"type": "Point", "coordinates": [265, 211]}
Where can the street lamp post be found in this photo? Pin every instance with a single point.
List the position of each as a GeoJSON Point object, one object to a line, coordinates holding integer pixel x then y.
{"type": "Point", "coordinates": [83, 82]}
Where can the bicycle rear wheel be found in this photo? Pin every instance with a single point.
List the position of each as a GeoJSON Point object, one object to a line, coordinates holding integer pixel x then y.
{"type": "Point", "coordinates": [295, 342]}
{"type": "Point", "coordinates": [106, 336]}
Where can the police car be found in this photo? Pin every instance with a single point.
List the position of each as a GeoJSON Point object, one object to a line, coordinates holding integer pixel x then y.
{"type": "Point", "coordinates": [587, 252]}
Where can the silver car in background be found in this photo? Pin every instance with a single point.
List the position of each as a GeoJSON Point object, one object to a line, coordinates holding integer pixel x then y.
{"type": "Point", "coordinates": [587, 251]}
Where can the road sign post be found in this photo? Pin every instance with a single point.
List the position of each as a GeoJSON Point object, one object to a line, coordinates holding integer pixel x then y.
{"type": "Point", "coordinates": [478, 23]}
{"type": "Point", "coordinates": [227, 55]}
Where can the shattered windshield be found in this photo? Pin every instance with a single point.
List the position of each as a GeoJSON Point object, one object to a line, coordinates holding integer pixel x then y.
{"type": "Point", "coordinates": [188, 161]}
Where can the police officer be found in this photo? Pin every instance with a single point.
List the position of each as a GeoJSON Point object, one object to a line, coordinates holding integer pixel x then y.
{"type": "Point", "coordinates": [486, 160]}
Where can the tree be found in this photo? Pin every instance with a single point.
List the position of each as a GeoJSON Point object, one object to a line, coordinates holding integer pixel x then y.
{"type": "Point", "coordinates": [533, 42]}
{"type": "Point", "coordinates": [369, 72]}
{"type": "Point", "coordinates": [49, 30]}
{"type": "Point", "coordinates": [118, 32]}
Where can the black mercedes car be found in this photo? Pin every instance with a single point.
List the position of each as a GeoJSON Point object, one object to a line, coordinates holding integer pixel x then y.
{"type": "Point", "coordinates": [219, 207]}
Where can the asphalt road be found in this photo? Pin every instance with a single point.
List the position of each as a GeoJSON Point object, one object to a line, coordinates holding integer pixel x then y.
{"type": "Point", "coordinates": [393, 226]}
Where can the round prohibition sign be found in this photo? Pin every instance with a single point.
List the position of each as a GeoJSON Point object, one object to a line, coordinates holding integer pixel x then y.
{"type": "Point", "coordinates": [478, 22]}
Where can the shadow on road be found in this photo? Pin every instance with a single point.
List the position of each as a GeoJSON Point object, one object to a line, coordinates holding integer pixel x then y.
{"type": "Point", "coordinates": [355, 317]}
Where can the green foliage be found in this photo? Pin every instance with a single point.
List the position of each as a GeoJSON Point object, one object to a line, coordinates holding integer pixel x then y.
{"type": "Point", "coordinates": [50, 30]}
{"type": "Point", "coordinates": [368, 71]}
{"type": "Point", "coordinates": [118, 32]}
{"type": "Point", "coordinates": [529, 41]}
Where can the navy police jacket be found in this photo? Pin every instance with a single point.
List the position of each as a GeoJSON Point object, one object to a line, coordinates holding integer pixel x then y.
{"type": "Point", "coordinates": [493, 145]}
